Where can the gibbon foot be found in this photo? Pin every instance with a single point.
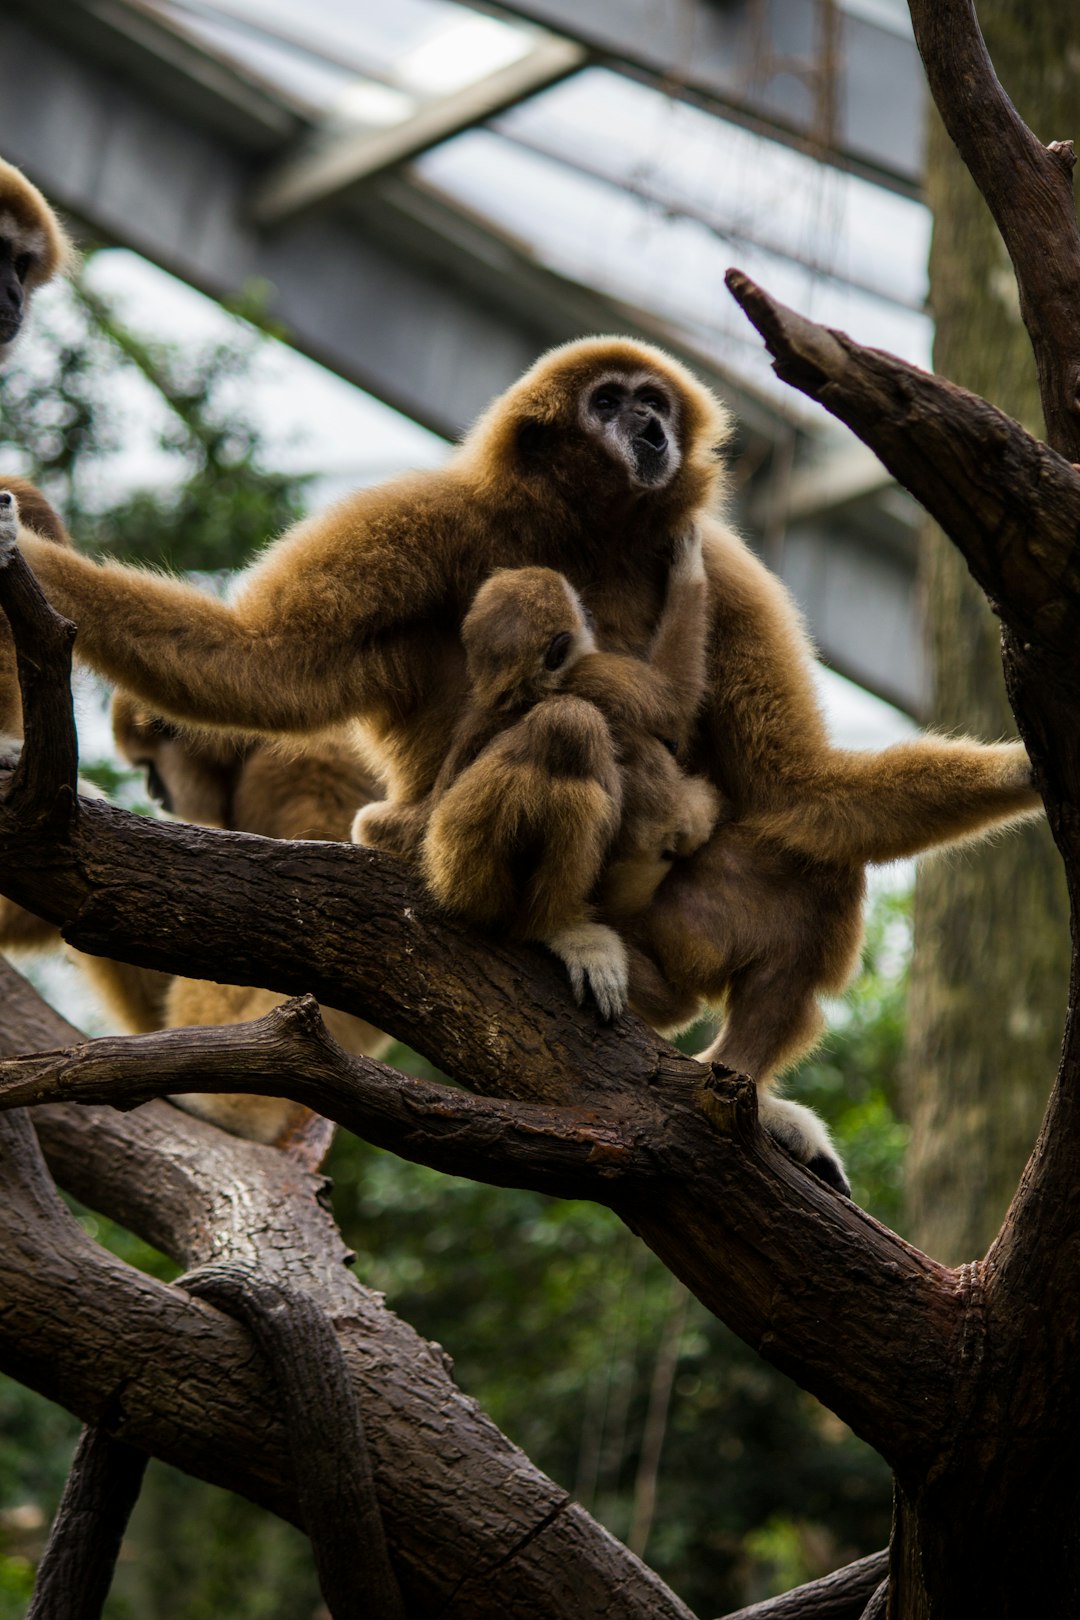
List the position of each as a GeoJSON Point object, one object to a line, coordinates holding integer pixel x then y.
{"type": "Point", "coordinates": [596, 960]}
{"type": "Point", "coordinates": [805, 1137]}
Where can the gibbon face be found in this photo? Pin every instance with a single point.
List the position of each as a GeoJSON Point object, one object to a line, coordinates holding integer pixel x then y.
{"type": "Point", "coordinates": [524, 632]}
{"type": "Point", "coordinates": [613, 427]}
{"type": "Point", "coordinates": [33, 248]}
{"type": "Point", "coordinates": [634, 416]}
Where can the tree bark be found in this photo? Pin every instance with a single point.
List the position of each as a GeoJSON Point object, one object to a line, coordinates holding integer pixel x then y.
{"type": "Point", "coordinates": [990, 972]}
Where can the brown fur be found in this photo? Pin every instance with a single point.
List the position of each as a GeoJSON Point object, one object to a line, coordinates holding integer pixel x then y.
{"type": "Point", "coordinates": [538, 797]}
{"type": "Point", "coordinates": [358, 612]}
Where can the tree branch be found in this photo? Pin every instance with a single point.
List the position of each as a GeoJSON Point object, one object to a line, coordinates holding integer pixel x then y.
{"type": "Point", "coordinates": [1007, 501]}
{"type": "Point", "coordinates": [1029, 190]}
{"type": "Point", "coordinates": [562, 1151]}
{"type": "Point", "coordinates": [328, 1442]}
{"type": "Point", "coordinates": [843, 1595]}
{"type": "Point", "coordinates": [475, 1530]}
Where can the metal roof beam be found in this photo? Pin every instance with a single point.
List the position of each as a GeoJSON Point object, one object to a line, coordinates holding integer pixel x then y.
{"type": "Point", "coordinates": [327, 167]}
{"type": "Point", "coordinates": [765, 64]}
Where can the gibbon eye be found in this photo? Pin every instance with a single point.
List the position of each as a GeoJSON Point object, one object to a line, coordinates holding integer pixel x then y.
{"type": "Point", "coordinates": [606, 401]}
{"type": "Point", "coordinates": [22, 265]}
{"type": "Point", "coordinates": [655, 400]}
{"type": "Point", "coordinates": [557, 649]}
{"type": "Point", "coordinates": [671, 744]}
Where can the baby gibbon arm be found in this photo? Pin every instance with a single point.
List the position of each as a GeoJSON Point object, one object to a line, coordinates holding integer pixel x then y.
{"type": "Point", "coordinates": [678, 646]}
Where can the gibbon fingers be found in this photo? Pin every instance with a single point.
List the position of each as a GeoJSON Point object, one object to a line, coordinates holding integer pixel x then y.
{"type": "Point", "coordinates": [538, 799]}
{"type": "Point", "coordinates": [592, 464]}
{"type": "Point", "coordinates": [34, 247]}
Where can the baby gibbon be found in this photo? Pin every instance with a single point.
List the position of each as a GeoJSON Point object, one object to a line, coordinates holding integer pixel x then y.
{"type": "Point", "coordinates": [562, 773]}
{"type": "Point", "coordinates": [593, 464]}
{"type": "Point", "coordinates": [34, 247]}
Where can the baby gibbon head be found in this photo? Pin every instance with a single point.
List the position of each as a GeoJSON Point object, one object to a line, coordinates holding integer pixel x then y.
{"type": "Point", "coordinates": [34, 247]}
{"type": "Point", "coordinates": [607, 420]}
{"type": "Point", "coordinates": [526, 628]}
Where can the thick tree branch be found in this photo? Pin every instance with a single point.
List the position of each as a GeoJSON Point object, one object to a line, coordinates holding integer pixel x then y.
{"type": "Point", "coordinates": [564, 1151]}
{"type": "Point", "coordinates": [1029, 190]}
{"type": "Point", "coordinates": [331, 1458]}
{"type": "Point", "coordinates": [1010, 504]}
{"type": "Point", "coordinates": [76, 1570]}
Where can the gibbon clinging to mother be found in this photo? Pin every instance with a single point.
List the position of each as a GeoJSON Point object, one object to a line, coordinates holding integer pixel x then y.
{"type": "Point", "coordinates": [560, 806]}
{"type": "Point", "coordinates": [594, 464]}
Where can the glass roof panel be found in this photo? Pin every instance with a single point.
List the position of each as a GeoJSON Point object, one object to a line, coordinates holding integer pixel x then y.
{"type": "Point", "coordinates": [606, 180]}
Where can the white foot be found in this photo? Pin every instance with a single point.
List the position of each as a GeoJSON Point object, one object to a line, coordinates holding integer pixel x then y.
{"type": "Point", "coordinates": [805, 1137]}
{"type": "Point", "coordinates": [596, 960]}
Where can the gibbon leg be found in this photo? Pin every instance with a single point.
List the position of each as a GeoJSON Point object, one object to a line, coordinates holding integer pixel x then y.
{"type": "Point", "coordinates": [518, 841]}
{"type": "Point", "coordinates": [772, 1020]}
{"type": "Point", "coordinates": [746, 923]}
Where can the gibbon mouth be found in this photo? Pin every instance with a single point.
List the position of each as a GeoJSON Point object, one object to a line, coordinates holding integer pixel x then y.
{"type": "Point", "coordinates": [10, 321]}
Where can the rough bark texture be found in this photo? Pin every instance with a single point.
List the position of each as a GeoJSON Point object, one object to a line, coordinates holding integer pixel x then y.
{"type": "Point", "coordinates": [990, 973]}
{"type": "Point", "coordinates": [474, 1529]}
{"type": "Point", "coordinates": [76, 1571]}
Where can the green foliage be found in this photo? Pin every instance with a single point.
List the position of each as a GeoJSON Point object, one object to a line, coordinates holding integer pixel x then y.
{"type": "Point", "coordinates": [64, 412]}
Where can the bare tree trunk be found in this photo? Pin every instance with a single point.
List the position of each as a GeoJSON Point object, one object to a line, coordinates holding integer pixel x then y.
{"type": "Point", "coordinates": [990, 974]}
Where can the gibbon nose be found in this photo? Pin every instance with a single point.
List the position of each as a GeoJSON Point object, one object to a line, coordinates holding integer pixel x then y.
{"type": "Point", "coordinates": [653, 435]}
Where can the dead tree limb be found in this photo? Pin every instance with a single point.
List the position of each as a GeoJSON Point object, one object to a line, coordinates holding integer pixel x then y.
{"type": "Point", "coordinates": [843, 1595]}
{"type": "Point", "coordinates": [1028, 188]}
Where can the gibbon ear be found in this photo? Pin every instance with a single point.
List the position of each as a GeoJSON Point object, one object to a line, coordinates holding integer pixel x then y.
{"type": "Point", "coordinates": [535, 438]}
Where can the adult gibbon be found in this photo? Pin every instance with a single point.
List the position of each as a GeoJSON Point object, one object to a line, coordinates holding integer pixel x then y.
{"type": "Point", "coordinates": [562, 772]}
{"type": "Point", "coordinates": [594, 463]}
{"type": "Point", "coordinates": [34, 247]}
